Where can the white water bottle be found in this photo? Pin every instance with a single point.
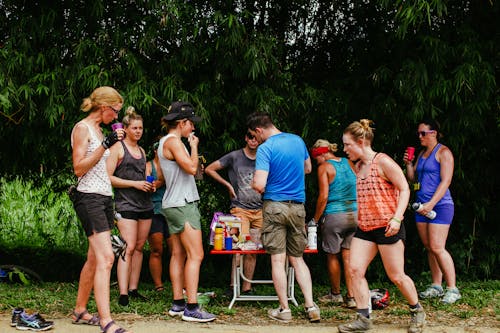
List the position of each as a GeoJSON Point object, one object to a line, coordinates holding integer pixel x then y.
{"type": "Point", "coordinates": [312, 235]}
{"type": "Point", "coordinates": [417, 206]}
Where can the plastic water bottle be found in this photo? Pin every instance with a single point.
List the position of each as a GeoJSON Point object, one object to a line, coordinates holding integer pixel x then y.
{"type": "Point", "coordinates": [218, 237]}
{"type": "Point", "coordinates": [417, 206]}
{"type": "Point", "coordinates": [312, 236]}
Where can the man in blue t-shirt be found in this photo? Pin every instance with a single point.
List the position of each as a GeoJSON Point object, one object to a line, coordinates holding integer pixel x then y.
{"type": "Point", "coordinates": [246, 204]}
{"type": "Point", "coordinates": [281, 165]}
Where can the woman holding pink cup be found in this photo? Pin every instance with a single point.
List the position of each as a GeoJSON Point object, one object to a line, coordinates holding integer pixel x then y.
{"type": "Point", "coordinates": [432, 173]}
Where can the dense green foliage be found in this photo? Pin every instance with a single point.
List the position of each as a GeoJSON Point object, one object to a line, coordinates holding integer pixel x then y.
{"type": "Point", "coordinates": [315, 65]}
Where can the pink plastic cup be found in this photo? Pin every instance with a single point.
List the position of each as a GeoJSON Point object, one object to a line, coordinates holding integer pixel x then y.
{"type": "Point", "coordinates": [410, 152]}
{"type": "Point", "coordinates": [116, 126]}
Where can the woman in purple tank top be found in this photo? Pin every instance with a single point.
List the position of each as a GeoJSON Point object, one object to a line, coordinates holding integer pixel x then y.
{"type": "Point", "coordinates": [432, 173]}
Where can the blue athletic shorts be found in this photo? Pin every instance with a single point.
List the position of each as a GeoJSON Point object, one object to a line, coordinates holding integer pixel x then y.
{"type": "Point", "coordinates": [444, 215]}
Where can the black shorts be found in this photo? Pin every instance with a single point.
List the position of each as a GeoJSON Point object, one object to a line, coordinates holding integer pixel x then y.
{"type": "Point", "coordinates": [95, 212]}
{"type": "Point", "coordinates": [131, 215]}
{"type": "Point", "coordinates": [377, 236]}
{"type": "Point", "coordinates": [159, 225]}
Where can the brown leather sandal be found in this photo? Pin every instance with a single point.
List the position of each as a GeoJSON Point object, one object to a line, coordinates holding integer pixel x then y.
{"type": "Point", "coordinates": [94, 321]}
{"type": "Point", "coordinates": [108, 326]}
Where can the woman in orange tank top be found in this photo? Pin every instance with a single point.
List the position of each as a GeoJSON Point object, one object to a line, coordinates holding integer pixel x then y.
{"type": "Point", "coordinates": [383, 194]}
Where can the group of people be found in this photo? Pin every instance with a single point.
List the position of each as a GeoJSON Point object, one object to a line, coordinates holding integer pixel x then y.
{"type": "Point", "coordinates": [111, 173]}
{"type": "Point", "coordinates": [360, 207]}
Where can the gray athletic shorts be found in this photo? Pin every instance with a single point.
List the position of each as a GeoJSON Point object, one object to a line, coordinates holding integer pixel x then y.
{"type": "Point", "coordinates": [337, 231]}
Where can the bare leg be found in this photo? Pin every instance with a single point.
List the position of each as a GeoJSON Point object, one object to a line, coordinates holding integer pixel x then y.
{"type": "Point", "coordinates": [101, 245]}
{"type": "Point", "coordinates": [86, 283]}
{"type": "Point", "coordinates": [249, 262]}
{"type": "Point", "coordinates": [303, 276]}
{"type": "Point", "coordinates": [440, 260]}
{"type": "Point", "coordinates": [436, 274]}
{"type": "Point", "coordinates": [128, 230]}
{"type": "Point", "coordinates": [333, 265]}
{"type": "Point", "coordinates": [155, 258]}
{"type": "Point", "coordinates": [393, 259]}
{"type": "Point", "coordinates": [177, 261]}
{"type": "Point", "coordinates": [361, 255]}
{"type": "Point", "coordinates": [347, 266]}
{"type": "Point", "coordinates": [192, 243]}
{"type": "Point", "coordinates": [280, 278]}
{"type": "Point", "coordinates": [143, 227]}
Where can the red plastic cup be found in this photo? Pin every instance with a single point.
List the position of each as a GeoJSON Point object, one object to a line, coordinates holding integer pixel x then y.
{"type": "Point", "coordinates": [410, 152]}
{"type": "Point", "coordinates": [116, 126]}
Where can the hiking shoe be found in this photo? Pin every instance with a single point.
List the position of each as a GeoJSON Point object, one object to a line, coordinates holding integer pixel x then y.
{"type": "Point", "coordinates": [313, 314]}
{"type": "Point", "coordinates": [451, 296]}
{"type": "Point", "coordinates": [350, 302]}
{"type": "Point", "coordinates": [228, 292]}
{"type": "Point", "coordinates": [417, 321]}
{"type": "Point", "coordinates": [33, 323]}
{"type": "Point", "coordinates": [248, 292]}
{"type": "Point", "coordinates": [432, 291]}
{"type": "Point", "coordinates": [176, 310]}
{"type": "Point", "coordinates": [332, 298]}
{"type": "Point", "coordinates": [279, 314]}
{"type": "Point", "coordinates": [197, 315]}
{"type": "Point", "coordinates": [123, 300]}
{"type": "Point", "coordinates": [361, 324]}
{"type": "Point", "coordinates": [16, 314]}
{"type": "Point", "coordinates": [135, 294]}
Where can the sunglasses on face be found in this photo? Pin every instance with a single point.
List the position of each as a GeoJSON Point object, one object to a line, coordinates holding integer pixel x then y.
{"type": "Point", "coordinates": [424, 133]}
{"type": "Point", "coordinates": [250, 136]}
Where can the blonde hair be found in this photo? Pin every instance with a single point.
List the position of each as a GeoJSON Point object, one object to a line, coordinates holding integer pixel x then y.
{"type": "Point", "coordinates": [325, 143]}
{"type": "Point", "coordinates": [130, 115]}
{"type": "Point", "coordinates": [361, 130]}
{"type": "Point", "coordinates": [102, 96]}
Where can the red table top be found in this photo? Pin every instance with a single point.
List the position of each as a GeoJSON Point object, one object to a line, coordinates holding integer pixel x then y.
{"type": "Point", "coordinates": [250, 251]}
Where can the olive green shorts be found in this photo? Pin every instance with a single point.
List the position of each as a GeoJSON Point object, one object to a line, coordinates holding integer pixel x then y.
{"type": "Point", "coordinates": [177, 217]}
{"type": "Point", "coordinates": [283, 228]}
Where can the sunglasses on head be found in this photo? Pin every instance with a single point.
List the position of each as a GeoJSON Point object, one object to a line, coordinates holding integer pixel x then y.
{"type": "Point", "coordinates": [250, 136]}
{"type": "Point", "coordinates": [424, 133]}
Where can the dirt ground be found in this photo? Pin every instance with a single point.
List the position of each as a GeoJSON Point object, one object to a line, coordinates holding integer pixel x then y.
{"type": "Point", "coordinates": [139, 324]}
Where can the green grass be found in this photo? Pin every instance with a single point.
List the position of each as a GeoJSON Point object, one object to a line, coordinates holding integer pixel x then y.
{"type": "Point", "coordinates": [480, 299]}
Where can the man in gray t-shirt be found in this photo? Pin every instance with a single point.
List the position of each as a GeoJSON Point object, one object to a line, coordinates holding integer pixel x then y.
{"type": "Point", "coordinates": [246, 203]}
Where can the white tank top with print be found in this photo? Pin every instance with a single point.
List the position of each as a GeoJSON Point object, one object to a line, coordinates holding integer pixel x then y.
{"type": "Point", "coordinates": [96, 180]}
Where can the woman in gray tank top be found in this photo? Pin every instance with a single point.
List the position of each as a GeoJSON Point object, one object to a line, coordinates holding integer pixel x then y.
{"type": "Point", "coordinates": [180, 208]}
{"type": "Point", "coordinates": [126, 168]}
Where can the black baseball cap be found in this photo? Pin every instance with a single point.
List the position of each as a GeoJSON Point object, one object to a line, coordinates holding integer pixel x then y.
{"type": "Point", "coordinates": [181, 110]}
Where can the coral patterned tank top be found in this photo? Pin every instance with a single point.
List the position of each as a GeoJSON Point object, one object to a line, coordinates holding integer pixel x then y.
{"type": "Point", "coordinates": [377, 199]}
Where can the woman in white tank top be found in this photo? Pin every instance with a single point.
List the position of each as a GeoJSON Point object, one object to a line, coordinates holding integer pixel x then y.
{"type": "Point", "coordinates": [93, 203]}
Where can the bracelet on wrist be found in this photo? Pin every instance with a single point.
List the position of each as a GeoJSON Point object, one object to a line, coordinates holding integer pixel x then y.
{"type": "Point", "coordinates": [396, 219]}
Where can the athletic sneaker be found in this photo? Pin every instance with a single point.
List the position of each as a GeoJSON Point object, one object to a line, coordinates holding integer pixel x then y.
{"type": "Point", "coordinates": [332, 298]}
{"type": "Point", "coordinates": [33, 323]}
{"type": "Point", "coordinates": [417, 321]}
{"type": "Point", "coordinates": [451, 296]}
{"type": "Point", "coordinates": [16, 314]}
{"type": "Point", "coordinates": [432, 291]}
{"type": "Point", "coordinates": [279, 314]}
{"type": "Point", "coordinates": [313, 314]}
{"type": "Point", "coordinates": [350, 303]}
{"type": "Point", "coordinates": [361, 324]}
{"type": "Point", "coordinates": [177, 310]}
{"type": "Point", "coordinates": [197, 315]}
